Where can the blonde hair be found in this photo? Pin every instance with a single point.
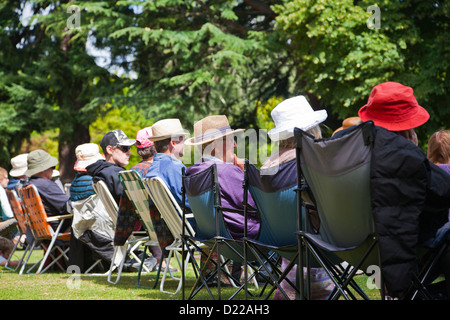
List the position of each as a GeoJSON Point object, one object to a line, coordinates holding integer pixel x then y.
{"type": "Point", "coordinates": [439, 147]}
{"type": "Point", "coordinates": [289, 143]}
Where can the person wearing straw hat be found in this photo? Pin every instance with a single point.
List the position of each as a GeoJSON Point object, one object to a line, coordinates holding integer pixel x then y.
{"type": "Point", "coordinates": [168, 137]}
{"type": "Point", "coordinates": [215, 138]}
{"type": "Point", "coordinates": [40, 170]}
{"type": "Point", "coordinates": [17, 173]}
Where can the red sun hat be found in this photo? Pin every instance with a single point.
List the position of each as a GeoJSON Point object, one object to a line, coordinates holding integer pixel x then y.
{"type": "Point", "coordinates": [393, 106]}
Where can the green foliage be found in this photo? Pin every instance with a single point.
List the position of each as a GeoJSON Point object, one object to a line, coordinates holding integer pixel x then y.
{"type": "Point", "coordinates": [339, 59]}
{"type": "Point", "coordinates": [188, 59]}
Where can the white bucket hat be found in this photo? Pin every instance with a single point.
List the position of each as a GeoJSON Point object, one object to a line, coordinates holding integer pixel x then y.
{"type": "Point", "coordinates": [19, 165]}
{"type": "Point", "coordinates": [293, 113]}
{"type": "Point", "coordinates": [87, 154]}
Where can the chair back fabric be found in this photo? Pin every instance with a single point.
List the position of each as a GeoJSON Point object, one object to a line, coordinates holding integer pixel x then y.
{"type": "Point", "coordinates": [16, 206]}
{"type": "Point", "coordinates": [167, 206]}
{"type": "Point", "coordinates": [338, 172]}
{"type": "Point", "coordinates": [203, 193]}
{"type": "Point", "coordinates": [101, 189]}
{"type": "Point", "coordinates": [37, 216]}
{"type": "Point", "coordinates": [276, 200]}
{"type": "Point", "coordinates": [134, 187]}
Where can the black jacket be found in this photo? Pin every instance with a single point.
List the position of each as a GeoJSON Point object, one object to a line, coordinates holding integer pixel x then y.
{"type": "Point", "coordinates": [410, 199]}
{"type": "Point", "coordinates": [109, 173]}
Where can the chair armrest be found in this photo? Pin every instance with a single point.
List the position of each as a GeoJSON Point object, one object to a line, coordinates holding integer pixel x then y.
{"type": "Point", "coordinates": [62, 217]}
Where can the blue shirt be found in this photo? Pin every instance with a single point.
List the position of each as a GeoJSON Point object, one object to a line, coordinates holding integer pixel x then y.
{"type": "Point", "coordinates": [169, 169]}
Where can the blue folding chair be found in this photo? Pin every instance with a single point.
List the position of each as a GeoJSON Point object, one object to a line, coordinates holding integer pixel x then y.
{"type": "Point", "coordinates": [203, 192]}
{"type": "Point", "coordinates": [275, 195]}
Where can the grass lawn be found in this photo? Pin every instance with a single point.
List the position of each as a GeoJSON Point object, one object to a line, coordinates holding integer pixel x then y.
{"type": "Point", "coordinates": [54, 285]}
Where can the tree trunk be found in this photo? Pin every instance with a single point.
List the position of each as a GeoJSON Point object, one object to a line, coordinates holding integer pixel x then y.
{"type": "Point", "coordinates": [66, 150]}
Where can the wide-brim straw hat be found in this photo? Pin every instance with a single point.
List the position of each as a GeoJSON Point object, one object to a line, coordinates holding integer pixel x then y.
{"type": "Point", "coordinates": [167, 128]}
{"type": "Point", "coordinates": [38, 161]}
{"type": "Point", "coordinates": [19, 165]}
{"type": "Point", "coordinates": [393, 106]}
{"type": "Point", "coordinates": [293, 113]}
{"type": "Point", "coordinates": [87, 154]}
{"type": "Point", "coordinates": [211, 128]}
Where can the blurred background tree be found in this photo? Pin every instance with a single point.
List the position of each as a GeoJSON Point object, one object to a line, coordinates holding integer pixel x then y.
{"type": "Point", "coordinates": [150, 60]}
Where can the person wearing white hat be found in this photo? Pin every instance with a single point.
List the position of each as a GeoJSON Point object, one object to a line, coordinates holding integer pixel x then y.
{"type": "Point", "coordinates": [81, 186]}
{"type": "Point", "coordinates": [17, 173]}
{"type": "Point", "coordinates": [293, 113]}
{"type": "Point", "coordinates": [90, 218]}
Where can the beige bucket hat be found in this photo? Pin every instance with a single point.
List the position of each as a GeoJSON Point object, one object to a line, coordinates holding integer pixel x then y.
{"type": "Point", "coordinates": [167, 128]}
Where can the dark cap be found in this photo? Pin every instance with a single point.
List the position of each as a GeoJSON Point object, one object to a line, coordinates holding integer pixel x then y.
{"type": "Point", "coordinates": [116, 137]}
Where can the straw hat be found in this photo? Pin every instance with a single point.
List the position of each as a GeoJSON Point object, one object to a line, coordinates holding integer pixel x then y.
{"type": "Point", "coordinates": [211, 128]}
{"type": "Point", "coordinates": [19, 165]}
{"type": "Point", "coordinates": [393, 106]}
{"type": "Point", "coordinates": [347, 123]}
{"type": "Point", "coordinates": [38, 161]}
{"type": "Point", "coordinates": [142, 138]}
{"type": "Point", "coordinates": [87, 154]}
{"type": "Point", "coordinates": [167, 128]}
{"type": "Point", "coordinates": [293, 113]}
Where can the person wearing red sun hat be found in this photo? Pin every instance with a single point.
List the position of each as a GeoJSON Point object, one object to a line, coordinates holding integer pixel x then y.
{"type": "Point", "coordinates": [410, 196]}
{"type": "Point", "coordinates": [393, 106]}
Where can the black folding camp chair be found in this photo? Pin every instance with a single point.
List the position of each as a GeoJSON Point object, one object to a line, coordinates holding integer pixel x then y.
{"type": "Point", "coordinates": [337, 172]}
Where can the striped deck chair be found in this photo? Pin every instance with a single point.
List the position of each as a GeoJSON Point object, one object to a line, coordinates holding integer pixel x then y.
{"type": "Point", "coordinates": [173, 216]}
{"type": "Point", "coordinates": [136, 192]}
{"type": "Point", "coordinates": [43, 232]}
{"type": "Point", "coordinates": [120, 252]}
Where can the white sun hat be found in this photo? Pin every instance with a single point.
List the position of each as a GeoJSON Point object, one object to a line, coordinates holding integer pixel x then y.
{"type": "Point", "coordinates": [293, 113]}
{"type": "Point", "coordinates": [87, 154]}
{"type": "Point", "coordinates": [19, 165]}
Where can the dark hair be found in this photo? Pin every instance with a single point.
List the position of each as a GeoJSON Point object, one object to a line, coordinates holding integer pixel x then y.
{"type": "Point", "coordinates": [162, 145]}
{"type": "Point", "coordinates": [146, 153]}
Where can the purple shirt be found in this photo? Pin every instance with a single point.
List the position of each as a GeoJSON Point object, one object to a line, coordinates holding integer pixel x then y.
{"type": "Point", "coordinates": [230, 179]}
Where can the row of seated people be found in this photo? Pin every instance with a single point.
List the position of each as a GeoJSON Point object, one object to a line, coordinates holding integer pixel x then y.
{"type": "Point", "coordinates": [391, 106]}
